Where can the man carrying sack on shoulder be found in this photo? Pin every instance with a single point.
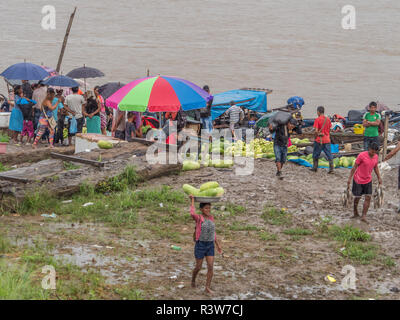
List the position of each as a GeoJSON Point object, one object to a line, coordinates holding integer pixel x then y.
{"type": "Point", "coordinates": [322, 142]}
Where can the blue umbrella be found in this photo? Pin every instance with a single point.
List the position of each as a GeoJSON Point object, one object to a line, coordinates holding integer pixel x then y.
{"type": "Point", "coordinates": [61, 81]}
{"type": "Point", "coordinates": [24, 71]}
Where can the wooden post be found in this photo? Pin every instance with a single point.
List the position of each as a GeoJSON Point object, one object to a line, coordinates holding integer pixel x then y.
{"type": "Point", "coordinates": [60, 58]}
{"type": "Point", "coordinates": [385, 136]}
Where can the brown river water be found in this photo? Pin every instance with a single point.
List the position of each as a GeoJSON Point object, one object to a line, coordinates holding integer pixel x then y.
{"type": "Point", "coordinates": [293, 47]}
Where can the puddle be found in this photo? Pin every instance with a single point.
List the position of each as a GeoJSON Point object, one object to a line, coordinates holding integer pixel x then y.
{"type": "Point", "coordinates": [82, 257]}
{"type": "Point", "coordinates": [56, 226]}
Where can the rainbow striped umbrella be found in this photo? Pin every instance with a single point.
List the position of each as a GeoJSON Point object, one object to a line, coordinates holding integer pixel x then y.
{"type": "Point", "coordinates": [159, 94]}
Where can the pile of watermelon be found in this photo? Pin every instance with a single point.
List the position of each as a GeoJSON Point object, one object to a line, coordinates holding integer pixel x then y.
{"type": "Point", "coordinates": [209, 189]}
{"type": "Point", "coordinates": [192, 164]}
{"type": "Point", "coordinates": [257, 148]}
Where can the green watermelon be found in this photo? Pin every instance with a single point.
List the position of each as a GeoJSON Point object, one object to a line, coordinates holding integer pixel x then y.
{"type": "Point", "coordinates": [346, 162]}
{"type": "Point", "coordinates": [105, 144]}
{"type": "Point", "coordinates": [190, 190]}
{"type": "Point", "coordinates": [190, 165]}
{"type": "Point", "coordinates": [208, 193]}
{"type": "Point", "coordinates": [209, 185]}
{"type": "Point", "coordinates": [336, 162]}
{"type": "Point", "coordinates": [323, 163]}
{"type": "Point", "coordinates": [221, 191]}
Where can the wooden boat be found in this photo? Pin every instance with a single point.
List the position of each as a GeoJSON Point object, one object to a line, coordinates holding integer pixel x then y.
{"type": "Point", "coordinates": [336, 137]}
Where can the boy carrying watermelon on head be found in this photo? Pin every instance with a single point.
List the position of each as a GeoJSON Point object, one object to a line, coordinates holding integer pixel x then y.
{"type": "Point", "coordinates": [205, 238]}
{"type": "Point", "coordinates": [362, 183]}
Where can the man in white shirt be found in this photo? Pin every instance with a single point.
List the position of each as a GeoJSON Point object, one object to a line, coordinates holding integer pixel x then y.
{"type": "Point", "coordinates": [75, 104]}
{"type": "Point", "coordinates": [235, 114]}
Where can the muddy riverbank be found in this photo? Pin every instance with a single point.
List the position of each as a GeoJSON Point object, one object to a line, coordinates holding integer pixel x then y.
{"type": "Point", "coordinates": [270, 253]}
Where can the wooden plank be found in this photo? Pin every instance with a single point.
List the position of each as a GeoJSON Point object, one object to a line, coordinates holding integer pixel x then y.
{"type": "Point", "coordinates": [14, 179]}
{"type": "Point", "coordinates": [349, 154]}
{"type": "Point", "coordinates": [143, 141]}
{"type": "Point", "coordinates": [385, 137]}
{"type": "Point", "coordinates": [77, 159]}
{"type": "Point", "coordinates": [268, 91]}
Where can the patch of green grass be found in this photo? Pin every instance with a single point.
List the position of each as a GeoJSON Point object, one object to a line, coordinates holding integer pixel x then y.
{"type": "Point", "coordinates": [70, 166]}
{"type": "Point", "coordinates": [237, 226]}
{"type": "Point", "coordinates": [356, 246]}
{"type": "Point", "coordinates": [87, 189]}
{"type": "Point", "coordinates": [166, 232]}
{"type": "Point", "coordinates": [349, 233]}
{"type": "Point", "coordinates": [21, 279]}
{"type": "Point", "coordinates": [16, 283]}
{"type": "Point", "coordinates": [38, 202]}
{"type": "Point", "coordinates": [266, 236]}
{"type": "Point", "coordinates": [234, 209]}
{"type": "Point", "coordinates": [360, 252]}
{"type": "Point", "coordinates": [165, 196]}
{"type": "Point", "coordinates": [129, 293]}
{"type": "Point", "coordinates": [323, 225]}
{"type": "Point", "coordinates": [122, 208]}
{"type": "Point", "coordinates": [5, 245]}
{"type": "Point", "coordinates": [276, 216]}
{"type": "Point", "coordinates": [4, 137]}
{"type": "Point", "coordinates": [127, 179]}
{"type": "Point", "coordinates": [388, 261]}
{"type": "Point", "coordinates": [4, 168]}
{"type": "Point", "coordinates": [298, 232]}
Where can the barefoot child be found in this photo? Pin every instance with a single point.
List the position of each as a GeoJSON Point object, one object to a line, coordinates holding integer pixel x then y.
{"type": "Point", "coordinates": [205, 237]}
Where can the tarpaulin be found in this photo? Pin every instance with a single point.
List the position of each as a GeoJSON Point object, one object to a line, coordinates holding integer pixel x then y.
{"type": "Point", "coordinates": [305, 163]}
{"type": "Point", "coordinates": [222, 100]}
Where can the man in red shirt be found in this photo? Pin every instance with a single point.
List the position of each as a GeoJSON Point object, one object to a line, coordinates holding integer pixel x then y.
{"type": "Point", "coordinates": [322, 142]}
{"type": "Point", "coordinates": [362, 183]}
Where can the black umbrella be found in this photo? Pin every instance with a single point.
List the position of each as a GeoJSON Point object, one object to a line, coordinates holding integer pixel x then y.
{"type": "Point", "coordinates": [85, 73]}
{"type": "Point", "coordinates": [108, 89]}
